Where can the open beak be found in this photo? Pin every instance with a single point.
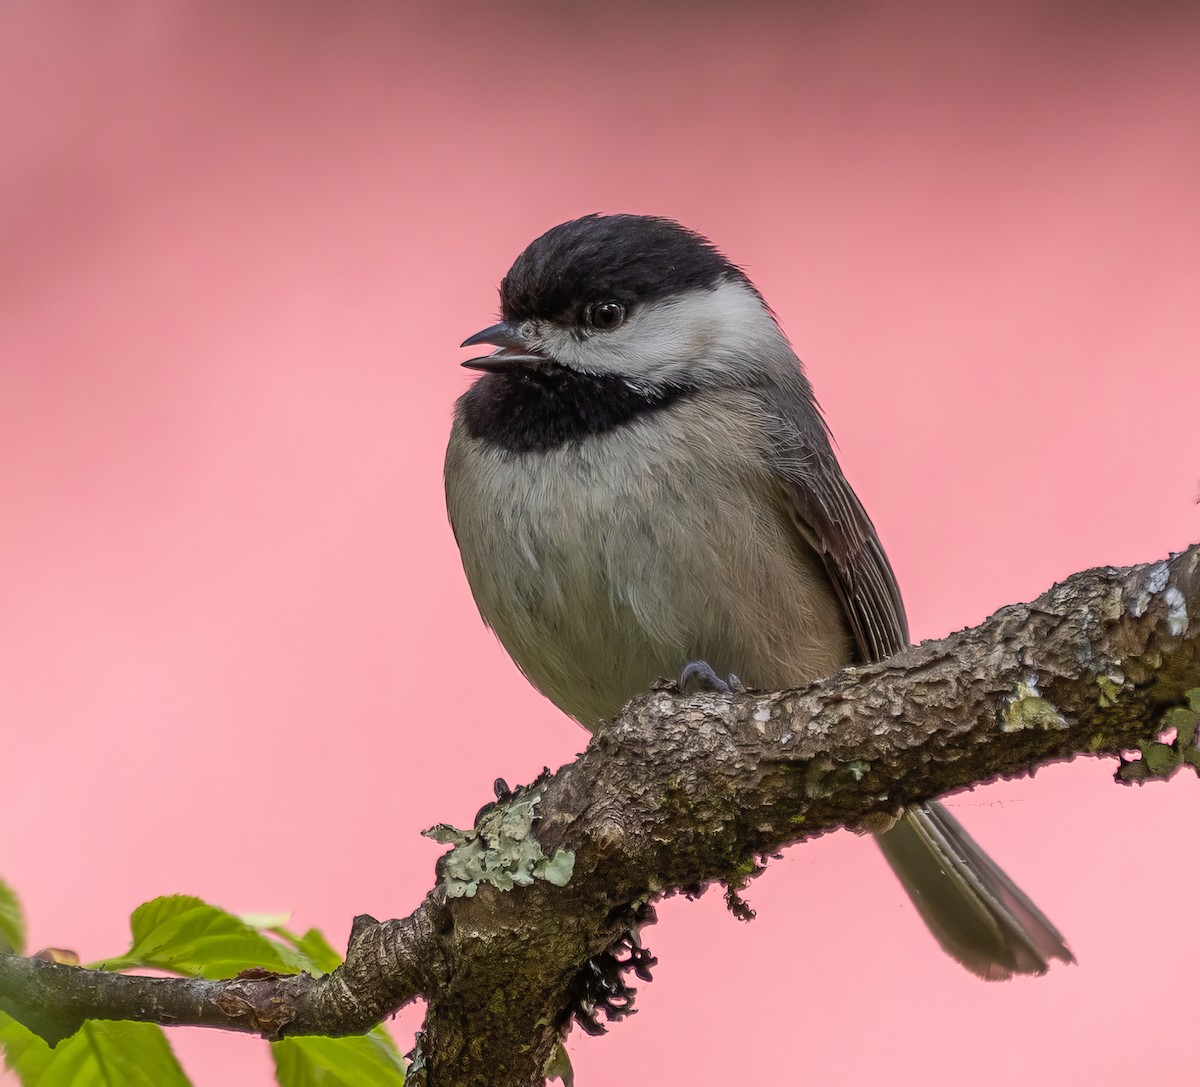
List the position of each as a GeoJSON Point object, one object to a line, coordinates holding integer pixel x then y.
{"type": "Point", "coordinates": [511, 349]}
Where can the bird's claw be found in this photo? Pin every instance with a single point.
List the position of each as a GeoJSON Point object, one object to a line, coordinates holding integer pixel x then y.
{"type": "Point", "coordinates": [703, 671]}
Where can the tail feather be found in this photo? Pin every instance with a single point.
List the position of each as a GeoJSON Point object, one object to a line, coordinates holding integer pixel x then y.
{"type": "Point", "coordinates": [975, 911]}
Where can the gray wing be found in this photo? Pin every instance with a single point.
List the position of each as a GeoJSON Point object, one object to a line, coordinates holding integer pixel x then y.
{"type": "Point", "coordinates": [974, 910]}
{"type": "Point", "coordinates": [833, 522]}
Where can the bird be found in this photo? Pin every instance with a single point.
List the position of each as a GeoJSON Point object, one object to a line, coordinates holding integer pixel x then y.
{"type": "Point", "coordinates": [641, 484]}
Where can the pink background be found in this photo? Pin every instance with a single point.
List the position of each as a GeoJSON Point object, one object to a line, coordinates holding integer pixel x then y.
{"type": "Point", "coordinates": [238, 249]}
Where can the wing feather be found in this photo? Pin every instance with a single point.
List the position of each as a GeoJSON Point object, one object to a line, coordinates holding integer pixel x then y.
{"type": "Point", "coordinates": [833, 522]}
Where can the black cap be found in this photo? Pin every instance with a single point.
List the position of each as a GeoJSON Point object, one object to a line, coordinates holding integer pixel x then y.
{"type": "Point", "coordinates": [624, 258]}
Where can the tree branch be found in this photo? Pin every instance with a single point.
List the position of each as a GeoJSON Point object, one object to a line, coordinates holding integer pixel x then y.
{"type": "Point", "coordinates": [680, 792]}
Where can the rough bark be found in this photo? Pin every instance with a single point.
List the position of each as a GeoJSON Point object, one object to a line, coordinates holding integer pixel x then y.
{"type": "Point", "coordinates": [680, 792]}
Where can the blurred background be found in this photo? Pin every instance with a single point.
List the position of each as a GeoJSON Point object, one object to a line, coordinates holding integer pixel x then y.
{"type": "Point", "coordinates": [239, 245]}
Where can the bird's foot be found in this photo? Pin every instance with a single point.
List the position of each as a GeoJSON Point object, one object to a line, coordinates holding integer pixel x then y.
{"type": "Point", "coordinates": [703, 671]}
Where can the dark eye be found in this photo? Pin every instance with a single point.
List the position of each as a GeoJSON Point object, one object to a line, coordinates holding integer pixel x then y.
{"type": "Point", "coordinates": [604, 315]}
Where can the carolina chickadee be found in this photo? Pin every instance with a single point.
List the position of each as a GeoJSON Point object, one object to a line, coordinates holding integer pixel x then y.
{"type": "Point", "coordinates": [643, 479]}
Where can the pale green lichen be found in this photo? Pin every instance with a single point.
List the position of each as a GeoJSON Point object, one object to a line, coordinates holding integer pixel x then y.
{"type": "Point", "coordinates": [823, 777]}
{"type": "Point", "coordinates": [1158, 761]}
{"type": "Point", "coordinates": [817, 783]}
{"type": "Point", "coordinates": [1156, 580]}
{"type": "Point", "coordinates": [1177, 616]}
{"type": "Point", "coordinates": [1176, 744]}
{"type": "Point", "coordinates": [1110, 689]}
{"type": "Point", "coordinates": [1183, 720]}
{"type": "Point", "coordinates": [1028, 709]}
{"type": "Point", "coordinates": [500, 850]}
{"type": "Point", "coordinates": [1142, 670]}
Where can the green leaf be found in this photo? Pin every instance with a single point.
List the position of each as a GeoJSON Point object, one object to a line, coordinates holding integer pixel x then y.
{"type": "Point", "coordinates": [185, 935]}
{"type": "Point", "coordinates": [112, 1054]}
{"type": "Point", "coordinates": [24, 1052]}
{"type": "Point", "coordinates": [12, 926]}
{"type": "Point", "coordinates": [100, 1054]}
{"type": "Point", "coordinates": [559, 1066]}
{"type": "Point", "coordinates": [320, 956]}
{"type": "Point", "coordinates": [265, 921]}
{"type": "Point", "coordinates": [368, 1060]}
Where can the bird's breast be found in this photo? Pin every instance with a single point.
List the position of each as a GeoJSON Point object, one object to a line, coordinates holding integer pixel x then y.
{"type": "Point", "coordinates": [606, 562]}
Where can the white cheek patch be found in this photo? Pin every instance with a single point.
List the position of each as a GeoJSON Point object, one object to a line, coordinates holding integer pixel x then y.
{"type": "Point", "coordinates": [688, 336]}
